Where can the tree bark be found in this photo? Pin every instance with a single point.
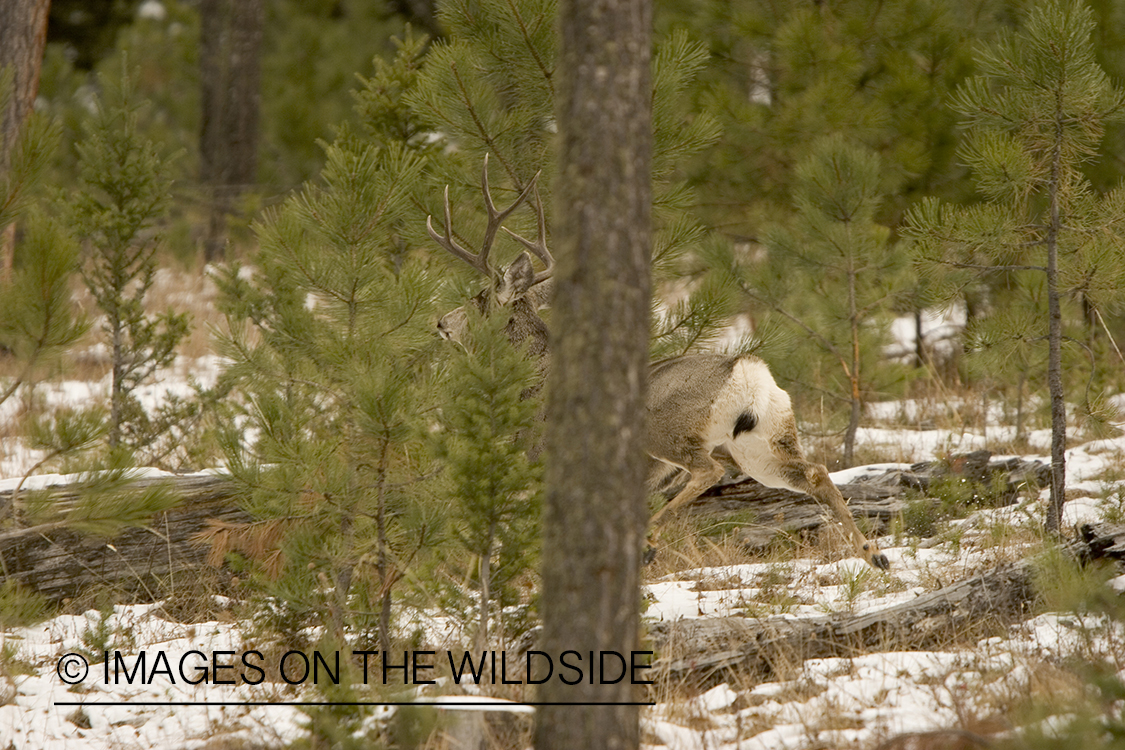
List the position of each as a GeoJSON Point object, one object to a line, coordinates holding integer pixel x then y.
{"type": "Point", "coordinates": [595, 510]}
{"type": "Point", "coordinates": [23, 34]}
{"type": "Point", "coordinates": [1054, 336]}
{"type": "Point", "coordinates": [229, 61]}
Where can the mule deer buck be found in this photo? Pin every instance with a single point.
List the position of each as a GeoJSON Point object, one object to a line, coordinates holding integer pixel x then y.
{"type": "Point", "coordinates": [699, 405]}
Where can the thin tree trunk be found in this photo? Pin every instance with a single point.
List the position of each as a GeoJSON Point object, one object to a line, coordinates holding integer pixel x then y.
{"type": "Point", "coordinates": [1054, 339]}
{"type": "Point", "coordinates": [485, 589]}
{"type": "Point", "coordinates": [919, 342]}
{"type": "Point", "coordinates": [1021, 438]}
{"type": "Point", "coordinates": [856, 404]}
{"type": "Point", "coordinates": [117, 385]}
{"type": "Point", "coordinates": [23, 34]}
{"type": "Point", "coordinates": [595, 510]}
{"type": "Point", "coordinates": [346, 570]}
{"type": "Point", "coordinates": [382, 559]}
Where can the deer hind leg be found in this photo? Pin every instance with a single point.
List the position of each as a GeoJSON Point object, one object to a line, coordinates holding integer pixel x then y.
{"type": "Point", "coordinates": [705, 472]}
{"type": "Point", "coordinates": [783, 464]}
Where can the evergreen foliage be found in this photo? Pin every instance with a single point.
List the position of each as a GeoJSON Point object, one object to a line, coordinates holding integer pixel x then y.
{"type": "Point", "coordinates": [37, 318]}
{"type": "Point", "coordinates": [379, 100]}
{"type": "Point", "coordinates": [311, 53]}
{"type": "Point", "coordinates": [489, 430]}
{"type": "Point", "coordinates": [490, 88]}
{"type": "Point", "coordinates": [782, 74]}
{"type": "Point", "coordinates": [833, 277]}
{"type": "Point", "coordinates": [20, 608]}
{"type": "Point", "coordinates": [1036, 114]}
{"type": "Point", "coordinates": [30, 155]}
{"type": "Point", "coordinates": [328, 351]}
{"type": "Point", "coordinates": [123, 192]}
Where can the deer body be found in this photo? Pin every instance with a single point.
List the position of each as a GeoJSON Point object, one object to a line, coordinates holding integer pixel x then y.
{"type": "Point", "coordinates": [703, 403]}
{"type": "Point", "coordinates": [698, 404]}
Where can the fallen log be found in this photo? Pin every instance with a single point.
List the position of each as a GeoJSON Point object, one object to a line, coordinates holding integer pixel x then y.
{"type": "Point", "coordinates": [143, 561]}
{"type": "Point", "coordinates": [1102, 541]}
{"type": "Point", "coordinates": [874, 499]}
{"type": "Point", "coordinates": [702, 653]}
{"type": "Point", "coordinates": [138, 563]}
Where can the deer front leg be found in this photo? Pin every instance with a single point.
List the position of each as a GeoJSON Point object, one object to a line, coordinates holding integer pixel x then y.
{"type": "Point", "coordinates": [813, 479]}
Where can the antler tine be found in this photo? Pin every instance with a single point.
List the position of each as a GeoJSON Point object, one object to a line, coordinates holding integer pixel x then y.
{"type": "Point", "coordinates": [479, 261]}
{"type": "Point", "coordinates": [539, 247]}
{"type": "Point", "coordinates": [496, 217]}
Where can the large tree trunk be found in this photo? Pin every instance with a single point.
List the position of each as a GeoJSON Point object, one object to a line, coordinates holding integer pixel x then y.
{"type": "Point", "coordinates": [595, 510]}
{"type": "Point", "coordinates": [23, 33]}
{"type": "Point", "coordinates": [229, 61]}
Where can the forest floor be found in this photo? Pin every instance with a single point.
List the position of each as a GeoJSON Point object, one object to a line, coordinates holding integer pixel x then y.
{"type": "Point", "coordinates": [1007, 679]}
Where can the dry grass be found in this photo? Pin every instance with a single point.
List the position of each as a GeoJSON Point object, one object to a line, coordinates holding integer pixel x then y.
{"type": "Point", "coordinates": [989, 701]}
{"type": "Point", "coordinates": [174, 288]}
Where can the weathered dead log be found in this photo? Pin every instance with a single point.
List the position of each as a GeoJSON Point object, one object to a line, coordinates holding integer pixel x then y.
{"type": "Point", "coordinates": [1102, 541]}
{"type": "Point", "coordinates": [874, 499]}
{"type": "Point", "coordinates": [140, 563]}
{"type": "Point", "coordinates": [706, 652]}
{"type": "Point", "coordinates": [144, 561]}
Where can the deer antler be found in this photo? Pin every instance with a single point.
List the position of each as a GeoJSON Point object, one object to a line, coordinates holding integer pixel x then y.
{"type": "Point", "coordinates": [539, 247]}
{"type": "Point", "coordinates": [479, 260]}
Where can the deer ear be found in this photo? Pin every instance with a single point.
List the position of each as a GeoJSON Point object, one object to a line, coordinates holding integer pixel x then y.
{"type": "Point", "coordinates": [518, 278]}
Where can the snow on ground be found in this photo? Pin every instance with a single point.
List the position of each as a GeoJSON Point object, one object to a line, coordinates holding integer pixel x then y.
{"type": "Point", "coordinates": [836, 702]}
{"type": "Point", "coordinates": [176, 381]}
{"type": "Point", "coordinates": [43, 714]}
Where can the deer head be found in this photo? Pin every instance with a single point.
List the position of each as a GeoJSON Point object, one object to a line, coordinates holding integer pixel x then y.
{"type": "Point", "coordinates": [518, 287]}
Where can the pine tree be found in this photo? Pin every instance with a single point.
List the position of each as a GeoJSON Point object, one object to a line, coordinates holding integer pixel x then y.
{"type": "Point", "coordinates": [782, 74]}
{"type": "Point", "coordinates": [311, 54]}
{"type": "Point", "coordinates": [328, 349]}
{"type": "Point", "coordinates": [123, 192]}
{"type": "Point", "coordinates": [37, 317]}
{"type": "Point", "coordinates": [491, 88]}
{"type": "Point", "coordinates": [489, 429]}
{"type": "Point", "coordinates": [834, 275]}
{"type": "Point", "coordinates": [1036, 114]}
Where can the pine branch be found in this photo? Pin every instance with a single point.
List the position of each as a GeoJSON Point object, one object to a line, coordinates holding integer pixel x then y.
{"type": "Point", "coordinates": [531, 48]}
{"type": "Point", "coordinates": [986, 267]}
{"type": "Point", "coordinates": [815, 334]}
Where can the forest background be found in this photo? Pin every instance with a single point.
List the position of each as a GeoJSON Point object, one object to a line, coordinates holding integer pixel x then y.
{"type": "Point", "coordinates": [805, 154]}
